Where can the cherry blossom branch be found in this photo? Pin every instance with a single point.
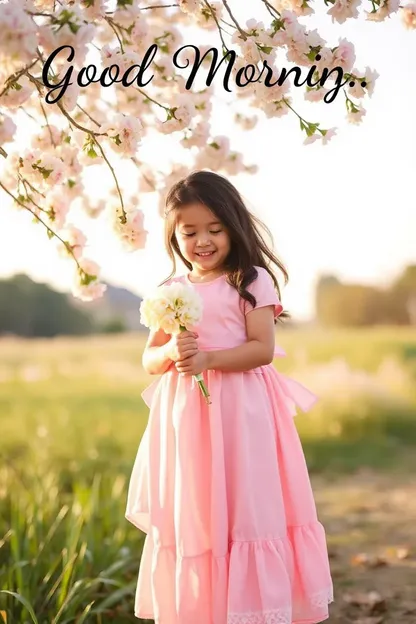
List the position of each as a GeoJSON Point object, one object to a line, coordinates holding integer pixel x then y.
{"type": "Point", "coordinates": [15, 77]}
{"type": "Point", "coordinates": [24, 182]}
{"type": "Point", "coordinates": [112, 25]}
{"type": "Point", "coordinates": [237, 25]}
{"type": "Point", "coordinates": [38, 82]}
{"type": "Point", "coordinates": [93, 136]}
{"type": "Point", "coordinates": [123, 218]}
{"type": "Point", "coordinates": [138, 165]}
{"type": "Point", "coordinates": [308, 126]}
{"type": "Point", "coordinates": [217, 23]}
{"type": "Point", "coordinates": [152, 100]}
{"type": "Point", "coordinates": [88, 115]}
{"type": "Point", "coordinates": [158, 6]}
{"type": "Point", "coordinates": [48, 228]}
{"type": "Point", "coordinates": [76, 124]}
{"type": "Point", "coordinates": [271, 8]}
{"type": "Point", "coordinates": [28, 114]}
{"type": "Point", "coordinates": [40, 14]}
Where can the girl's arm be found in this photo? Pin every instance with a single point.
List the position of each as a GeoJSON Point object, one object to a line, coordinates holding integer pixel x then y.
{"type": "Point", "coordinates": [257, 351]}
{"type": "Point", "coordinates": [162, 349]}
{"type": "Point", "coordinates": [155, 359]}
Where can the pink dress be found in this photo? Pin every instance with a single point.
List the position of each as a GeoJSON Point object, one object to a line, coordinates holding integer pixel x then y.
{"type": "Point", "coordinates": [223, 492]}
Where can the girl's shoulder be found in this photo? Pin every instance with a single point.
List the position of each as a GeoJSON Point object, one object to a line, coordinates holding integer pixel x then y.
{"type": "Point", "coordinates": [261, 271]}
{"type": "Point", "coordinates": [264, 291]}
{"type": "Point", "coordinates": [263, 278]}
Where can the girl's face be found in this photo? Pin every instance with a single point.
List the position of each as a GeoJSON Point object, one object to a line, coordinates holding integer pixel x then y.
{"type": "Point", "coordinates": [202, 238]}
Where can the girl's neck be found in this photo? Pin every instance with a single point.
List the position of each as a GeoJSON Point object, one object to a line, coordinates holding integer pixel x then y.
{"type": "Point", "coordinates": [206, 276]}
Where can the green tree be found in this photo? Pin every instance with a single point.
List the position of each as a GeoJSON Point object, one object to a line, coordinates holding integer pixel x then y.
{"type": "Point", "coordinates": [30, 309]}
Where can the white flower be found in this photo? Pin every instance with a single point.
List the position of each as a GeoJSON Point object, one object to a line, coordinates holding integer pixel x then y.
{"type": "Point", "coordinates": [171, 307]}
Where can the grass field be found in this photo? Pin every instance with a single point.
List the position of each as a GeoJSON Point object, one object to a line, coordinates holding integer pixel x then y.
{"type": "Point", "coordinates": [71, 418]}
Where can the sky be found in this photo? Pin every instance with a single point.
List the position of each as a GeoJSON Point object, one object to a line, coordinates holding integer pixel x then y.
{"type": "Point", "coordinates": [346, 209]}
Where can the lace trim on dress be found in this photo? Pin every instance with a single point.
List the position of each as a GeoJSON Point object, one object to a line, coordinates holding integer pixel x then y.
{"type": "Point", "coordinates": [322, 599]}
{"type": "Point", "coordinates": [279, 616]}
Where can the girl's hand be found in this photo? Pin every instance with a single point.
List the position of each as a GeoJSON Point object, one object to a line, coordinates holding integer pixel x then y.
{"type": "Point", "coordinates": [193, 365]}
{"type": "Point", "coordinates": [182, 346]}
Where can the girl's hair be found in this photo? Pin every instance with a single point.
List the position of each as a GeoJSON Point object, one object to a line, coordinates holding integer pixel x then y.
{"type": "Point", "coordinates": [248, 247]}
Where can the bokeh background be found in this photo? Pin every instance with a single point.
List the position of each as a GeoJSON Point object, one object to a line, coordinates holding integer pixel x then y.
{"type": "Point", "coordinates": [71, 416]}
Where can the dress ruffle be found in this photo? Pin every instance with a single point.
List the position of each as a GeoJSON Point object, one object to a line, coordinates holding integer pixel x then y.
{"type": "Point", "coordinates": [254, 575]}
{"type": "Point", "coordinates": [223, 494]}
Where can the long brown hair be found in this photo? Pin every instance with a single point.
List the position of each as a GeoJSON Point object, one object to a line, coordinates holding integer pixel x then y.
{"type": "Point", "coordinates": [248, 246]}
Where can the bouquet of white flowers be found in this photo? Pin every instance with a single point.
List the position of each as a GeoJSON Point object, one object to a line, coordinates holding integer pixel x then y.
{"type": "Point", "coordinates": [174, 308]}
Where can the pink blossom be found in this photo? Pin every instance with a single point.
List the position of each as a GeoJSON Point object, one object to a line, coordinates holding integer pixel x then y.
{"type": "Point", "coordinates": [315, 95]}
{"type": "Point", "coordinates": [356, 117]}
{"type": "Point", "coordinates": [48, 137]}
{"type": "Point", "coordinates": [132, 233]}
{"type": "Point", "coordinates": [124, 132]}
{"type": "Point", "coordinates": [344, 55]}
{"type": "Point", "coordinates": [93, 290]}
{"type": "Point", "coordinates": [57, 207]}
{"type": "Point", "coordinates": [13, 98]}
{"type": "Point", "coordinates": [76, 240]}
{"type": "Point", "coordinates": [409, 16]}
{"type": "Point", "coordinates": [18, 32]}
{"type": "Point", "coordinates": [7, 129]}
{"type": "Point", "coordinates": [330, 133]}
{"type": "Point", "coordinates": [192, 7]}
{"type": "Point", "coordinates": [369, 77]}
{"type": "Point", "coordinates": [93, 11]}
{"type": "Point", "coordinates": [342, 10]}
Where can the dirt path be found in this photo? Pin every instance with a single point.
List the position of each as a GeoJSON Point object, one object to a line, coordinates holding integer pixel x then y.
{"type": "Point", "coordinates": [370, 522]}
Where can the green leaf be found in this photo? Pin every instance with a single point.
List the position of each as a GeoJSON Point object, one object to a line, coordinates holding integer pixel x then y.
{"type": "Point", "coordinates": [24, 602]}
{"type": "Point", "coordinates": [265, 49]}
{"type": "Point", "coordinates": [85, 613]}
{"type": "Point", "coordinates": [171, 113]}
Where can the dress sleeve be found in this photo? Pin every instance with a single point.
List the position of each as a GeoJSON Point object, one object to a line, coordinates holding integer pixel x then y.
{"type": "Point", "coordinates": [264, 291]}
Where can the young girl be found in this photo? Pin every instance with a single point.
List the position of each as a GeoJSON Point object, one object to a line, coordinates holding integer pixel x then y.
{"type": "Point", "coordinates": [222, 490]}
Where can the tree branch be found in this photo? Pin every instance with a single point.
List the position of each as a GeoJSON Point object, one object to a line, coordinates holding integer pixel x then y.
{"type": "Point", "coordinates": [271, 8]}
{"type": "Point", "coordinates": [217, 22]}
{"type": "Point", "coordinates": [15, 77]}
{"type": "Point", "coordinates": [124, 217]}
{"type": "Point", "coordinates": [49, 229]}
{"type": "Point", "coordinates": [237, 25]}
